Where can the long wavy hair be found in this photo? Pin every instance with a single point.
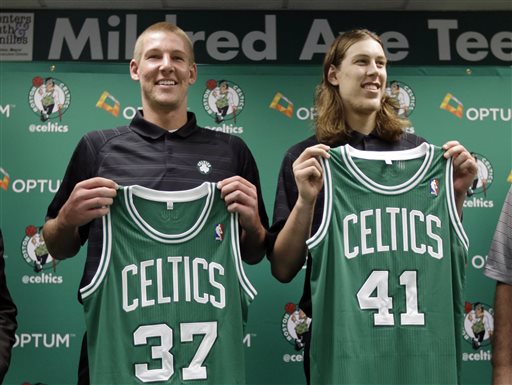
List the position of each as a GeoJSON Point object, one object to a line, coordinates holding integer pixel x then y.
{"type": "Point", "coordinates": [330, 124]}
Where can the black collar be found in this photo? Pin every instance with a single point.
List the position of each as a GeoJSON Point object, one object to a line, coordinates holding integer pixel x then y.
{"type": "Point", "coordinates": [144, 128]}
{"type": "Point", "coordinates": [356, 137]}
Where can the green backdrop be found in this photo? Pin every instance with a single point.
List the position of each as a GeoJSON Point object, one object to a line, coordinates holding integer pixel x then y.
{"type": "Point", "coordinates": [472, 105]}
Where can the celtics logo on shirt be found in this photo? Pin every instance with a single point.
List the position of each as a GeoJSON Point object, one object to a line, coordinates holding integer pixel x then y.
{"type": "Point", "coordinates": [204, 167]}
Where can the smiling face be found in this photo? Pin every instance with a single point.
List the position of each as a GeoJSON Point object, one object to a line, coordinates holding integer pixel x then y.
{"type": "Point", "coordinates": [361, 77]}
{"type": "Point", "coordinates": [165, 70]}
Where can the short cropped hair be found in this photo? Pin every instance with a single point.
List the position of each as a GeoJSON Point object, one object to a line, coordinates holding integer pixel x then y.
{"type": "Point", "coordinates": [162, 26]}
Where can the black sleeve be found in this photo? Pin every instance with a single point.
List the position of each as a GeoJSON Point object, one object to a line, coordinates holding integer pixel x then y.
{"type": "Point", "coordinates": [287, 193]}
{"type": "Point", "coordinates": [285, 198]}
{"type": "Point", "coordinates": [411, 141]}
{"type": "Point", "coordinates": [249, 171]}
{"type": "Point", "coordinates": [81, 166]}
{"type": "Point", "coordinates": [8, 314]}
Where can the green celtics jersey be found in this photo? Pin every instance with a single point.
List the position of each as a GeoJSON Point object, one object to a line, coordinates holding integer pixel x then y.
{"type": "Point", "coordinates": [169, 300]}
{"type": "Point", "coordinates": [387, 270]}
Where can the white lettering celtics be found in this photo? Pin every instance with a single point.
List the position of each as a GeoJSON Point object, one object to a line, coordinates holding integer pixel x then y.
{"type": "Point", "coordinates": [392, 229]}
{"type": "Point", "coordinates": [387, 269]}
{"type": "Point", "coordinates": [187, 276]}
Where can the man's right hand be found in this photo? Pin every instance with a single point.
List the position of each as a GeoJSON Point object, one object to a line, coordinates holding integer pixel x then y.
{"type": "Point", "coordinates": [290, 250]}
{"type": "Point", "coordinates": [90, 199]}
{"type": "Point", "coordinates": [308, 172]}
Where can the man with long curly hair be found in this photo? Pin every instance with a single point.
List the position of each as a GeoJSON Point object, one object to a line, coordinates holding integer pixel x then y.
{"type": "Point", "coordinates": [352, 109]}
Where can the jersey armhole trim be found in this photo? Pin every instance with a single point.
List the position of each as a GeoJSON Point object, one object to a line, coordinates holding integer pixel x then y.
{"type": "Point", "coordinates": [452, 207]}
{"type": "Point", "coordinates": [98, 277]}
{"type": "Point", "coordinates": [316, 238]}
{"type": "Point", "coordinates": [246, 285]}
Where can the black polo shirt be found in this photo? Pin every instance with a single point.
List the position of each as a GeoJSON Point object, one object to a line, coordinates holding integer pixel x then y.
{"type": "Point", "coordinates": [145, 154]}
{"type": "Point", "coordinates": [287, 193]}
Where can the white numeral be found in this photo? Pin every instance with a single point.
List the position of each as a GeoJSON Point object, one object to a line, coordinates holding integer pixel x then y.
{"type": "Point", "coordinates": [383, 303]}
{"type": "Point", "coordinates": [195, 371]}
{"type": "Point", "coordinates": [412, 316]}
{"type": "Point", "coordinates": [162, 352]}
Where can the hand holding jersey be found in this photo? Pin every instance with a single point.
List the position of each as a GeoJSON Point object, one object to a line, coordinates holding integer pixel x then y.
{"type": "Point", "coordinates": [308, 173]}
{"type": "Point", "coordinates": [387, 265]}
{"type": "Point", "coordinates": [464, 170]}
{"type": "Point", "coordinates": [89, 199]}
{"type": "Point", "coordinates": [241, 197]}
{"type": "Point", "coordinates": [290, 246]}
{"type": "Point", "coordinates": [171, 282]}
